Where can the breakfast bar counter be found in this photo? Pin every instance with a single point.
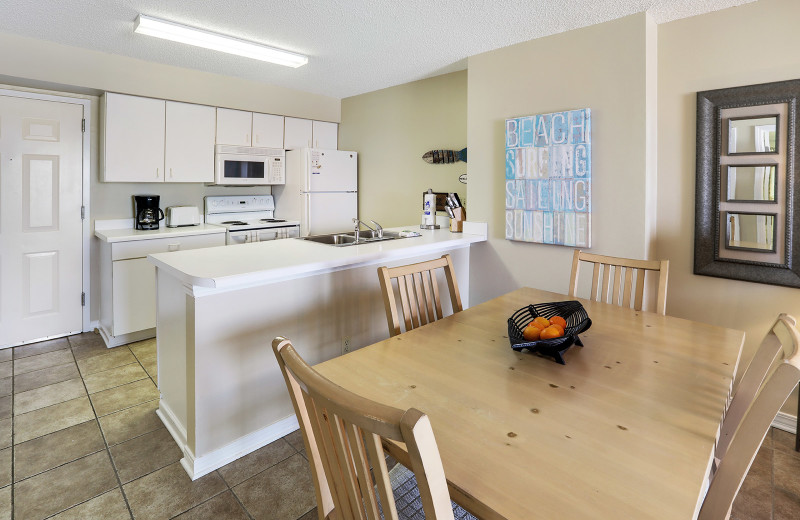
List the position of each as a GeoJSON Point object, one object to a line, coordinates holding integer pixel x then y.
{"type": "Point", "coordinates": [218, 309]}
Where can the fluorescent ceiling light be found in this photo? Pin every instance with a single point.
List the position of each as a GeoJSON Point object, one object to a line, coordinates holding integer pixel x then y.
{"type": "Point", "coordinates": [218, 42]}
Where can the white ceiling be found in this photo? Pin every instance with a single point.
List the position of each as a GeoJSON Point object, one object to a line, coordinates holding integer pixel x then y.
{"type": "Point", "coordinates": [353, 46]}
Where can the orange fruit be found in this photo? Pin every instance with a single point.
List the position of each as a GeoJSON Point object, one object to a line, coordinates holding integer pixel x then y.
{"type": "Point", "coordinates": [541, 322]}
{"type": "Point", "coordinates": [558, 320]}
{"type": "Point", "coordinates": [559, 327]}
{"type": "Point", "coordinates": [551, 332]}
{"type": "Point", "coordinates": [531, 332]}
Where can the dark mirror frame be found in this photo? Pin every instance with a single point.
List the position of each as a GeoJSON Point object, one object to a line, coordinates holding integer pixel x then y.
{"type": "Point", "coordinates": [707, 199]}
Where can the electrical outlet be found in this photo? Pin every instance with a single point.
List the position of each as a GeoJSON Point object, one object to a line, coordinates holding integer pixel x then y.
{"type": "Point", "coordinates": [345, 344]}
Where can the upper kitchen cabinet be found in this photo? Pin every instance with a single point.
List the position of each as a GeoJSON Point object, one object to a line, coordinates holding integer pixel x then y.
{"type": "Point", "coordinates": [234, 127]}
{"type": "Point", "coordinates": [152, 140]}
{"type": "Point", "coordinates": [326, 135]}
{"type": "Point", "coordinates": [267, 130]}
{"type": "Point", "coordinates": [298, 133]}
{"type": "Point", "coordinates": [133, 140]}
{"type": "Point", "coordinates": [189, 145]}
{"type": "Point", "coordinates": [240, 128]}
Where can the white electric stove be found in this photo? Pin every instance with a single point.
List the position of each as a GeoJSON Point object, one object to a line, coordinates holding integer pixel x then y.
{"type": "Point", "coordinates": [248, 218]}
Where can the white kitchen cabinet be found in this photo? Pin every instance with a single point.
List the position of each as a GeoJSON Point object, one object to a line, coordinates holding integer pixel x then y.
{"type": "Point", "coordinates": [234, 127]}
{"type": "Point", "coordinates": [133, 294]}
{"type": "Point", "coordinates": [326, 135]}
{"type": "Point", "coordinates": [128, 281]}
{"type": "Point", "coordinates": [133, 139]}
{"type": "Point", "coordinates": [189, 144]}
{"type": "Point", "coordinates": [267, 130]}
{"type": "Point", "coordinates": [298, 133]}
{"type": "Point", "coordinates": [240, 128]}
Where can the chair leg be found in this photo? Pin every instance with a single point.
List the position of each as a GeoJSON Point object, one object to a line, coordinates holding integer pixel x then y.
{"type": "Point", "coordinates": [797, 427]}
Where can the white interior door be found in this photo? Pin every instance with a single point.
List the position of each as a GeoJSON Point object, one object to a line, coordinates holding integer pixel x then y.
{"type": "Point", "coordinates": [41, 251]}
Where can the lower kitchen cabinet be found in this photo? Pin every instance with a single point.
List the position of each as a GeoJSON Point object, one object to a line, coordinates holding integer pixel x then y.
{"type": "Point", "coordinates": [128, 284]}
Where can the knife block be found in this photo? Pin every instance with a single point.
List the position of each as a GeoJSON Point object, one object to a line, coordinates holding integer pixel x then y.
{"type": "Point", "coordinates": [457, 223]}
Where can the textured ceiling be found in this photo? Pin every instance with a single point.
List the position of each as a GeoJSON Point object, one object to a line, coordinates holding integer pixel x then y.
{"type": "Point", "coordinates": [353, 46]}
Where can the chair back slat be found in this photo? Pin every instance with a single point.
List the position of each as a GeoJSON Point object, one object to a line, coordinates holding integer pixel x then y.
{"type": "Point", "coordinates": [418, 291]}
{"type": "Point", "coordinates": [606, 284]}
{"type": "Point", "coordinates": [626, 290]}
{"type": "Point", "coordinates": [748, 436]}
{"type": "Point", "coordinates": [361, 462]}
{"type": "Point", "coordinates": [615, 296]}
{"type": "Point", "coordinates": [344, 457]}
{"type": "Point", "coordinates": [343, 433]}
{"type": "Point", "coordinates": [595, 281]}
{"type": "Point", "coordinates": [621, 290]}
{"type": "Point", "coordinates": [412, 300]}
{"type": "Point", "coordinates": [426, 285]}
{"type": "Point", "coordinates": [639, 293]}
{"type": "Point", "coordinates": [403, 292]}
{"type": "Point", "coordinates": [381, 472]}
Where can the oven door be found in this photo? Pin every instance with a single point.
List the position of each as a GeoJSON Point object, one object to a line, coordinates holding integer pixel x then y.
{"type": "Point", "coordinates": [237, 237]}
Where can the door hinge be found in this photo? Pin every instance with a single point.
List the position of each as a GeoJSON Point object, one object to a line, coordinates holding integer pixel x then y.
{"type": "Point", "coordinates": [83, 299]}
{"type": "Point", "coordinates": [83, 212]}
{"type": "Point", "coordinates": [83, 125]}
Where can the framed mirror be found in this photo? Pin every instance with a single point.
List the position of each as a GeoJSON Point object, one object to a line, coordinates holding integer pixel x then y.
{"type": "Point", "coordinates": [750, 231]}
{"type": "Point", "coordinates": [747, 188]}
{"type": "Point", "coordinates": [753, 135]}
{"type": "Point", "coordinates": [750, 183]}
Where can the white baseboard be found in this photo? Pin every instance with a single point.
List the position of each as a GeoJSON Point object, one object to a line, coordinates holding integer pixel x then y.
{"type": "Point", "coordinates": [196, 467]}
{"type": "Point", "coordinates": [124, 339]}
{"type": "Point", "coordinates": [785, 422]}
{"type": "Point", "coordinates": [174, 426]}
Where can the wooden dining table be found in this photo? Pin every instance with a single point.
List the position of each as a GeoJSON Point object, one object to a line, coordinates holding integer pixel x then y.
{"type": "Point", "coordinates": [625, 429]}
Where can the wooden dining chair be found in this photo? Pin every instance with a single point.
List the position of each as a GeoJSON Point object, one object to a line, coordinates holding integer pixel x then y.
{"type": "Point", "coordinates": [418, 292]}
{"type": "Point", "coordinates": [343, 432]}
{"type": "Point", "coordinates": [771, 350]}
{"type": "Point", "coordinates": [623, 288]}
{"type": "Point", "coordinates": [753, 427]}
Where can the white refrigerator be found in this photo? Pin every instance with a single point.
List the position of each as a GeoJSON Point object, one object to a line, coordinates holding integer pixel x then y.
{"type": "Point", "coordinates": [321, 190]}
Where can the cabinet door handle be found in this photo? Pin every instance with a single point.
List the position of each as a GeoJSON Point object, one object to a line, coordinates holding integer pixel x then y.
{"type": "Point", "coordinates": [170, 173]}
{"type": "Point", "coordinates": [247, 137]}
{"type": "Point", "coordinates": [256, 137]}
{"type": "Point", "coordinates": [157, 174]}
{"type": "Point", "coordinates": [173, 247]}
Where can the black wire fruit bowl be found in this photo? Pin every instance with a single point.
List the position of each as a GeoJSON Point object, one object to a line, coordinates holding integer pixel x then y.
{"type": "Point", "coordinates": [572, 311]}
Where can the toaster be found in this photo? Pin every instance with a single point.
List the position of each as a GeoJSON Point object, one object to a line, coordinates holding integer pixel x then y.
{"type": "Point", "coordinates": [183, 216]}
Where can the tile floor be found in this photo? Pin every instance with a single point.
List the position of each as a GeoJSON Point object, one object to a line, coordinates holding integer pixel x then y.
{"type": "Point", "coordinates": [79, 439]}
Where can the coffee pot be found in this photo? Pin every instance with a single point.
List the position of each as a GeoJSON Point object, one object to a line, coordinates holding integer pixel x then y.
{"type": "Point", "coordinates": [147, 214]}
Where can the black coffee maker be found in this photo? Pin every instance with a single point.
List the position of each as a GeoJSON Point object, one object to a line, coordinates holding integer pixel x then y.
{"type": "Point", "coordinates": [146, 212]}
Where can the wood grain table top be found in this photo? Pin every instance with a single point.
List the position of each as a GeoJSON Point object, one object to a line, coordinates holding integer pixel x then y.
{"type": "Point", "coordinates": [626, 429]}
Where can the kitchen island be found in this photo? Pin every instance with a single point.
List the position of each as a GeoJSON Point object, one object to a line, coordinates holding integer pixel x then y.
{"type": "Point", "coordinates": [218, 309]}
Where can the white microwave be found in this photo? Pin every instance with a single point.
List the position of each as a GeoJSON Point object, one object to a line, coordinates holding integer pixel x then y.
{"type": "Point", "coordinates": [249, 166]}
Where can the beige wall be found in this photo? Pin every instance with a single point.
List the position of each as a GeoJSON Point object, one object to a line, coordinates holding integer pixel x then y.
{"type": "Point", "coordinates": [391, 129]}
{"type": "Point", "coordinates": [753, 43]}
{"type": "Point", "coordinates": [603, 67]}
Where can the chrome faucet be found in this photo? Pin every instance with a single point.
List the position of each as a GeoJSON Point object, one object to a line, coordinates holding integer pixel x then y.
{"type": "Point", "coordinates": [358, 223]}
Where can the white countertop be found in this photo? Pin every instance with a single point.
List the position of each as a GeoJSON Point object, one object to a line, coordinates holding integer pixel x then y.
{"type": "Point", "coordinates": [247, 265]}
{"type": "Point", "coordinates": [129, 234]}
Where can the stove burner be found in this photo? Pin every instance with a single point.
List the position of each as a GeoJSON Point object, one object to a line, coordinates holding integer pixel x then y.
{"type": "Point", "coordinates": [273, 220]}
{"type": "Point", "coordinates": [235, 223]}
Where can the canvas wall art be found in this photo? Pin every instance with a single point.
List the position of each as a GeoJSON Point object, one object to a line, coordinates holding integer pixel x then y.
{"type": "Point", "coordinates": [548, 175]}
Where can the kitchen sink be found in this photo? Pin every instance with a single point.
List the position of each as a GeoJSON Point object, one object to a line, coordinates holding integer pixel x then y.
{"type": "Point", "coordinates": [349, 239]}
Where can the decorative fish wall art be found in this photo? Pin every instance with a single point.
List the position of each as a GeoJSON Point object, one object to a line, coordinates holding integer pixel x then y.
{"type": "Point", "coordinates": [445, 156]}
